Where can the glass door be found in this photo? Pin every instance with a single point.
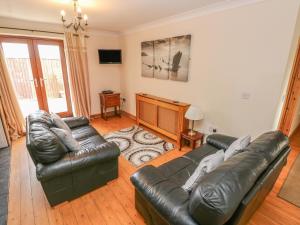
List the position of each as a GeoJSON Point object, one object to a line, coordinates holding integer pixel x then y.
{"type": "Point", "coordinates": [53, 76]}
{"type": "Point", "coordinates": [19, 59]}
{"type": "Point", "coordinates": [37, 68]}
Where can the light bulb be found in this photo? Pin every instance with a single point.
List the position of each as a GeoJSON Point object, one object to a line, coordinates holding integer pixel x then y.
{"type": "Point", "coordinates": [79, 10]}
{"type": "Point", "coordinates": [85, 17]}
{"type": "Point", "coordinates": [62, 13]}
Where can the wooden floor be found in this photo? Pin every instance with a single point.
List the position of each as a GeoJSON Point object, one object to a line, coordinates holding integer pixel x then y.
{"type": "Point", "coordinates": [112, 204]}
{"type": "Point", "coordinates": [295, 137]}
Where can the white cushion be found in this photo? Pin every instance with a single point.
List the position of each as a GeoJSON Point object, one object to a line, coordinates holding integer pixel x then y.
{"type": "Point", "coordinates": [237, 146]}
{"type": "Point", "coordinates": [206, 165]}
{"type": "Point", "coordinates": [66, 138]}
{"type": "Point", "coordinates": [58, 122]}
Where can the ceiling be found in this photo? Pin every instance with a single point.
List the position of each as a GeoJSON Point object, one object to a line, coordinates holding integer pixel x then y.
{"type": "Point", "coordinates": [111, 15]}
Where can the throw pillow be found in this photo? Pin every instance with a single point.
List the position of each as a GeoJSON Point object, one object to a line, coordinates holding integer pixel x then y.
{"type": "Point", "coordinates": [58, 122]}
{"type": "Point", "coordinates": [237, 146]}
{"type": "Point", "coordinates": [67, 139]}
{"type": "Point", "coordinates": [206, 165]}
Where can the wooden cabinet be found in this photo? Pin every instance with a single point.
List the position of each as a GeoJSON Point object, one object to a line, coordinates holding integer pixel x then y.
{"type": "Point", "coordinates": [109, 101]}
{"type": "Point", "coordinates": [162, 115]}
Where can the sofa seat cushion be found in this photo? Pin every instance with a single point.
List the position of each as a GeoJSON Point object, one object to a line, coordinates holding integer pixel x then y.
{"type": "Point", "coordinates": [199, 153]}
{"type": "Point", "coordinates": [83, 132]}
{"type": "Point", "coordinates": [180, 169]}
{"type": "Point", "coordinates": [92, 142]}
{"type": "Point", "coordinates": [168, 198]}
{"type": "Point", "coordinates": [74, 122]}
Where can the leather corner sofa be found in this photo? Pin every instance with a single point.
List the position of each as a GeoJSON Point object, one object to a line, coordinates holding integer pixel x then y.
{"type": "Point", "coordinates": [74, 173]}
{"type": "Point", "coordinates": [228, 195]}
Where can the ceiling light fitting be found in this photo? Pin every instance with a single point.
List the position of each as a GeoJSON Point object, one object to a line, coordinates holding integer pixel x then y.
{"type": "Point", "coordinates": [79, 22]}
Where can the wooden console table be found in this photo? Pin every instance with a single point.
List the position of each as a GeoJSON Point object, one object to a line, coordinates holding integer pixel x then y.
{"type": "Point", "coordinates": [109, 101]}
{"type": "Point", "coordinates": [162, 115]}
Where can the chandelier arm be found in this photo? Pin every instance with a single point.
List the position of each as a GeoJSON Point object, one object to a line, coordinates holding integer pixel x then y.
{"type": "Point", "coordinates": [81, 27]}
{"type": "Point", "coordinates": [77, 18]}
{"type": "Point", "coordinates": [69, 25]}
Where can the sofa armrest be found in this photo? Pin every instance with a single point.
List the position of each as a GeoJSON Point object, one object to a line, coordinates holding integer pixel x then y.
{"type": "Point", "coordinates": [74, 161]}
{"type": "Point", "coordinates": [73, 122]}
{"type": "Point", "coordinates": [169, 199]}
{"type": "Point", "coordinates": [102, 153]}
{"type": "Point", "coordinates": [220, 141]}
{"type": "Point", "coordinates": [146, 177]}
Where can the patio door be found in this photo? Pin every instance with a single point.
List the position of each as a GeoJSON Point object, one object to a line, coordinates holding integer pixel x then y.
{"type": "Point", "coordinates": [37, 68]}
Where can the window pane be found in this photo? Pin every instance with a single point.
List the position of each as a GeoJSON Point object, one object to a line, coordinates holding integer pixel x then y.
{"type": "Point", "coordinates": [53, 78]}
{"type": "Point", "coordinates": [19, 68]}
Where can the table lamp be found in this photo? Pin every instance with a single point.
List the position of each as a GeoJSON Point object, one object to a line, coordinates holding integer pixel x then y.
{"type": "Point", "coordinates": [193, 113]}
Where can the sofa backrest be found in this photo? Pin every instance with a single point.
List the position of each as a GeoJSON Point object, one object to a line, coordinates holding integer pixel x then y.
{"type": "Point", "coordinates": [220, 193]}
{"type": "Point", "coordinates": [43, 145]}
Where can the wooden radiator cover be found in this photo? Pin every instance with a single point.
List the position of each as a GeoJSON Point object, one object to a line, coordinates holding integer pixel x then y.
{"type": "Point", "coordinates": [162, 115]}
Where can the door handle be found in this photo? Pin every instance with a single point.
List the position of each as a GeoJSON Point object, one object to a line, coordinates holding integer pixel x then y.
{"type": "Point", "coordinates": [42, 82]}
{"type": "Point", "coordinates": [35, 82]}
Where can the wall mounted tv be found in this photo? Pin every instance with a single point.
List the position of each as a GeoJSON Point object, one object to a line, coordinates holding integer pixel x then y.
{"type": "Point", "coordinates": [110, 56]}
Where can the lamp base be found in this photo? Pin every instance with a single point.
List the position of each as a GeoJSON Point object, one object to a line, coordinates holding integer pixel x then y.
{"type": "Point", "coordinates": [191, 132]}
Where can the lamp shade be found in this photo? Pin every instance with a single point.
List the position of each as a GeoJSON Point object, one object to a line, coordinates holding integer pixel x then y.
{"type": "Point", "coordinates": [194, 113]}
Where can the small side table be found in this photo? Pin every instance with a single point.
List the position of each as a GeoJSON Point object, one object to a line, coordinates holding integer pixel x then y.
{"type": "Point", "coordinates": [109, 101]}
{"type": "Point", "coordinates": [192, 139]}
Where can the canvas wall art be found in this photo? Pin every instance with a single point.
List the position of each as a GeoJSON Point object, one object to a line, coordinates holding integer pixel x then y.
{"type": "Point", "coordinates": [167, 58]}
{"type": "Point", "coordinates": [161, 58]}
{"type": "Point", "coordinates": [147, 59]}
{"type": "Point", "coordinates": [180, 57]}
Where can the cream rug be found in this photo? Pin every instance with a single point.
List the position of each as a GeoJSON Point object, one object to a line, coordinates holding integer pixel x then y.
{"type": "Point", "coordinates": [139, 146]}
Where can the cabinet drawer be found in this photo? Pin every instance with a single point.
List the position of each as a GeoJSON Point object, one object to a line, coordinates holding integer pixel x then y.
{"type": "Point", "coordinates": [112, 101]}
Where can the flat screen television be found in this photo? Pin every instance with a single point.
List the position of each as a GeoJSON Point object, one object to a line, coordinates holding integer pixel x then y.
{"type": "Point", "coordinates": [110, 56]}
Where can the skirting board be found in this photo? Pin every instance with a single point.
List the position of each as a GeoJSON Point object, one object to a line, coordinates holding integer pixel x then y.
{"type": "Point", "coordinates": [98, 115]}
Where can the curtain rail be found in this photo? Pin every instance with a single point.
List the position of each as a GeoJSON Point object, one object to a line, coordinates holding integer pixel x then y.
{"type": "Point", "coordinates": [40, 31]}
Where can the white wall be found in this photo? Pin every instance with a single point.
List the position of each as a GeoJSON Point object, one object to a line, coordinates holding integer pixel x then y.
{"type": "Point", "coordinates": [233, 52]}
{"type": "Point", "coordinates": [101, 76]}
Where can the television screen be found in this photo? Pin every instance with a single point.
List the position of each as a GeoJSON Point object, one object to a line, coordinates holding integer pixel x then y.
{"type": "Point", "coordinates": [107, 56]}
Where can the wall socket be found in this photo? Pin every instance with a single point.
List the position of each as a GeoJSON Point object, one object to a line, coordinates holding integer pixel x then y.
{"type": "Point", "coordinates": [212, 129]}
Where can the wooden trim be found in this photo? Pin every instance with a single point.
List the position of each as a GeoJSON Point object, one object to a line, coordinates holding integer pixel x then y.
{"type": "Point", "coordinates": [110, 113]}
{"type": "Point", "coordinates": [292, 90]}
{"type": "Point", "coordinates": [34, 69]}
{"type": "Point", "coordinates": [156, 101]}
{"type": "Point", "coordinates": [159, 99]}
{"type": "Point", "coordinates": [60, 44]}
{"type": "Point", "coordinates": [39, 75]}
{"type": "Point", "coordinates": [25, 38]}
{"type": "Point", "coordinates": [129, 115]}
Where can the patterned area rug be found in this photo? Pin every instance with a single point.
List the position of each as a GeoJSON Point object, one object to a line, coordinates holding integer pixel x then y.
{"type": "Point", "coordinates": [139, 146]}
